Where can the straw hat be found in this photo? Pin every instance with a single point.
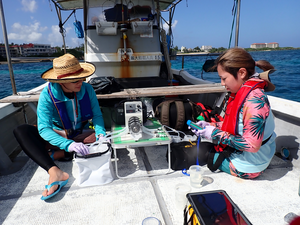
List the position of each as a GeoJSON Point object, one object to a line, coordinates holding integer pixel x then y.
{"type": "Point", "coordinates": [265, 76]}
{"type": "Point", "coordinates": [67, 69]}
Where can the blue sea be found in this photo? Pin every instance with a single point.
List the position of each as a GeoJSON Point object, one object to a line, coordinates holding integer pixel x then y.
{"type": "Point", "coordinates": [286, 78]}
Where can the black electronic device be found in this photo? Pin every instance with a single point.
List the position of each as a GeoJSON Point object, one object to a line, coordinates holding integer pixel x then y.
{"type": "Point", "coordinates": [216, 207]}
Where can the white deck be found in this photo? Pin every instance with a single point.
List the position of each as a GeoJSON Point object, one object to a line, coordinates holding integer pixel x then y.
{"type": "Point", "coordinates": [265, 200]}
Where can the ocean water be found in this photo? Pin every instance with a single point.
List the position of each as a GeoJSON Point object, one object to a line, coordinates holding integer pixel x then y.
{"type": "Point", "coordinates": [286, 78]}
{"type": "Point", "coordinates": [27, 76]}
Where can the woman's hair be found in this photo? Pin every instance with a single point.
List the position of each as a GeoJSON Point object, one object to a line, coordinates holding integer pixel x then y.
{"type": "Point", "coordinates": [235, 58]}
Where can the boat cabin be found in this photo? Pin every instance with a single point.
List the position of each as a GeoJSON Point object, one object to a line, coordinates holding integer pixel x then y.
{"type": "Point", "coordinates": [124, 40]}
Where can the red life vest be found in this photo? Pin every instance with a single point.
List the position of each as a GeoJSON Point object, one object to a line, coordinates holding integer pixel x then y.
{"type": "Point", "coordinates": [235, 102]}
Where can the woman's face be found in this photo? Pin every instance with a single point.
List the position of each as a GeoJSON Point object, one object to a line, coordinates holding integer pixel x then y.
{"type": "Point", "coordinates": [229, 81]}
{"type": "Point", "coordinates": [72, 87]}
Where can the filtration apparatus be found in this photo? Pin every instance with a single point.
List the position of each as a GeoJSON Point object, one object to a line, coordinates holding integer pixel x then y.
{"type": "Point", "coordinates": [134, 118]}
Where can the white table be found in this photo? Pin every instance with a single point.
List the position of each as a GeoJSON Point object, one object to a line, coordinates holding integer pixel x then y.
{"type": "Point", "coordinates": [160, 137]}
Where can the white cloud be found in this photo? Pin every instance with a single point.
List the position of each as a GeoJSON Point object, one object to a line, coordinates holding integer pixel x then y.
{"type": "Point", "coordinates": [166, 26]}
{"type": "Point", "coordinates": [55, 37]}
{"type": "Point", "coordinates": [34, 37]}
{"type": "Point", "coordinates": [76, 42]}
{"type": "Point", "coordinates": [27, 33]}
{"type": "Point", "coordinates": [29, 5]}
{"type": "Point", "coordinates": [42, 29]}
{"type": "Point", "coordinates": [36, 34]}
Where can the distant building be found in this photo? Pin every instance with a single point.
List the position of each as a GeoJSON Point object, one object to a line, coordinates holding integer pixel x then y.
{"type": "Point", "coordinates": [273, 45]}
{"type": "Point", "coordinates": [206, 48]}
{"type": "Point", "coordinates": [265, 45]}
{"type": "Point", "coordinates": [12, 50]}
{"type": "Point", "coordinates": [183, 49]}
{"type": "Point", "coordinates": [28, 50]}
{"type": "Point", "coordinates": [36, 49]}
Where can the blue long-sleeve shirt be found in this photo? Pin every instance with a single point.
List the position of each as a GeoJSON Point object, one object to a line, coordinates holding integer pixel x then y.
{"type": "Point", "coordinates": [48, 116]}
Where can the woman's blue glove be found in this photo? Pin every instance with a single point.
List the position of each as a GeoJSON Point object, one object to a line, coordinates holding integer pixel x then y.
{"type": "Point", "coordinates": [79, 147]}
{"type": "Point", "coordinates": [206, 132]}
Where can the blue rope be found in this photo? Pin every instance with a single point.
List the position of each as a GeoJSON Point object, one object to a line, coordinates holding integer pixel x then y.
{"type": "Point", "coordinates": [198, 142]}
{"type": "Point", "coordinates": [197, 161]}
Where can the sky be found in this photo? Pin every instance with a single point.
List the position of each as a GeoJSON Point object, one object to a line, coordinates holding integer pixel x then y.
{"type": "Point", "coordinates": [195, 23]}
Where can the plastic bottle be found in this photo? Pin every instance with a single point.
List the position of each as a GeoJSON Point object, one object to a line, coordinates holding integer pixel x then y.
{"type": "Point", "coordinates": [193, 125]}
{"type": "Point", "coordinates": [283, 154]}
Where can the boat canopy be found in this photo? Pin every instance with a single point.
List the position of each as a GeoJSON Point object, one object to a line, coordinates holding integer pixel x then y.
{"type": "Point", "coordinates": [78, 4]}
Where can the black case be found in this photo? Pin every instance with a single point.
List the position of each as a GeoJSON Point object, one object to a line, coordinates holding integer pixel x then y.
{"type": "Point", "coordinates": [209, 207]}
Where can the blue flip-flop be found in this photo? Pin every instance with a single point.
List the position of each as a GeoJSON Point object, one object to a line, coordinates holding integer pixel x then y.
{"type": "Point", "coordinates": [60, 185]}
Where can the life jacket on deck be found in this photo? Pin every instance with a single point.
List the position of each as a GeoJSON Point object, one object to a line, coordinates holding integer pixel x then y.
{"type": "Point", "coordinates": [85, 109]}
{"type": "Point", "coordinates": [230, 122]}
{"type": "Point", "coordinates": [209, 115]}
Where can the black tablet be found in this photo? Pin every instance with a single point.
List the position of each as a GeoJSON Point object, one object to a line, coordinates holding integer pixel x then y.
{"type": "Point", "coordinates": [216, 207]}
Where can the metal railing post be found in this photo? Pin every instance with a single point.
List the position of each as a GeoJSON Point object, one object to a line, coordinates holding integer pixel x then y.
{"type": "Point", "coordinates": [10, 68]}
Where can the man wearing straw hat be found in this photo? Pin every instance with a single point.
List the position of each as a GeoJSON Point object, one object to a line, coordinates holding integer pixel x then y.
{"type": "Point", "coordinates": [64, 108]}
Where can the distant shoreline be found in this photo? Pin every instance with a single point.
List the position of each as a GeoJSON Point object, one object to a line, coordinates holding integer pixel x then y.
{"type": "Point", "coordinates": [198, 54]}
{"type": "Point", "coordinates": [218, 53]}
{"type": "Point", "coordinates": [50, 59]}
{"type": "Point", "coordinates": [29, 60]}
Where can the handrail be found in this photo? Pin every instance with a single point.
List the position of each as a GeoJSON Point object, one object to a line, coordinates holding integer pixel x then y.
{"type": "Point", "coordinates": [132, 92]}
{"type": "Point", "coordinates": [10, 68]}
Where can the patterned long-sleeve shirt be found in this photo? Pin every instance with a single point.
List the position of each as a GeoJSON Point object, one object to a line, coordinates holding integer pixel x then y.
{"type": "Point", "coordinates": [255, 124]}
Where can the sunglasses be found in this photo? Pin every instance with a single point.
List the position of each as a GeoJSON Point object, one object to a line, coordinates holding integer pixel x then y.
{"type": "Point", "coordinates": [75, 82]}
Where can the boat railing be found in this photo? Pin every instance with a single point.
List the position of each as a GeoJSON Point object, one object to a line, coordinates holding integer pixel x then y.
{"type": "Point", "coordinates": [33, 96]}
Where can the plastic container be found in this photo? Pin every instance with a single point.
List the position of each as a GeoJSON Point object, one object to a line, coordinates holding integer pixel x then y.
{"type": "Point", "coordinates": [151, 221]}
{"type": "Point", "coordinates": [196, 176]}
{"type": "Point", "coordinates": [180, 195]}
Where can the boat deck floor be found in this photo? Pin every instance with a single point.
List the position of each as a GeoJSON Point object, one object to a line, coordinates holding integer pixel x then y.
{"type": "Point", "coordinates": [265, 200]}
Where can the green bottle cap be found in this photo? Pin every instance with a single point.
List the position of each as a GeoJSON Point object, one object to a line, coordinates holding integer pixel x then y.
{"type": "Point", "coordinates": [201, 118]}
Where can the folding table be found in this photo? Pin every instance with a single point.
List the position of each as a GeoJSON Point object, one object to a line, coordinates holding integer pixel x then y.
{"type": "Point", "coordinates": [159, 137]}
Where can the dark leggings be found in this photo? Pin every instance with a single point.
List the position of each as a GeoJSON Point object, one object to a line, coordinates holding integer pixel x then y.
{"type": "Point", "coordinates": [37, 148]}
{"type": "Point", "coordinates": [34, 145]}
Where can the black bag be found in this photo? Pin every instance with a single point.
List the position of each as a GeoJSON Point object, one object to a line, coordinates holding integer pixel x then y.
{"type": "Point", "coordinates": [174, 113]}
{"type": "Point", "coordinates": [105, 85]}
{"type": "Point", "coordinates": [183, 155]}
